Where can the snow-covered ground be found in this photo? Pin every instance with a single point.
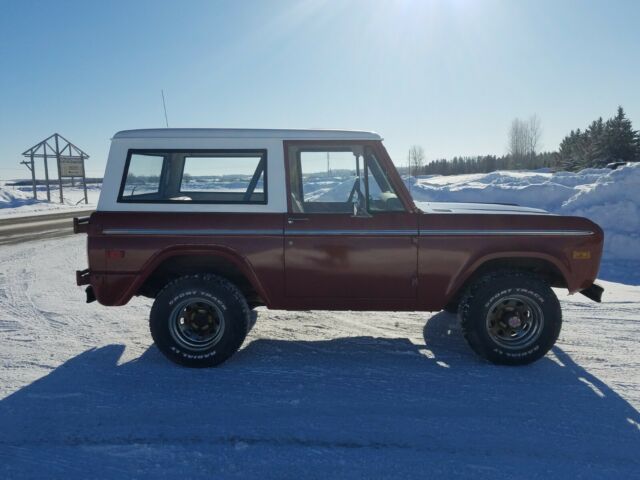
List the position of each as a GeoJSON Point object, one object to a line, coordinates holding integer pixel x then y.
{"type": "Point", "coordinates": [18, 201]}
{"type": "Point", "coordinates": [84, 394]}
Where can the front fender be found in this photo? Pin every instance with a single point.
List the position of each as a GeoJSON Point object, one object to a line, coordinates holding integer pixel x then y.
{"type": "Point", "coordinates": [467, 270]}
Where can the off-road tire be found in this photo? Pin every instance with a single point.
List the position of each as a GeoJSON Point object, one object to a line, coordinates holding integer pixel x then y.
{"type": "Point", "coordinates": [452, 307]}
{"type": "Point", "coordinates": [488, 291]}
{"type": "Point", "coordinates": [223, 295]}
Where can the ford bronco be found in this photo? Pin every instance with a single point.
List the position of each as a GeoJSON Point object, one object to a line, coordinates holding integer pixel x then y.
{"type": "Point", "coordinates": [212, 223]}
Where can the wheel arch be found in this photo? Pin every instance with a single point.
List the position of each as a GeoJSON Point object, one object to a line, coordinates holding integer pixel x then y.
{"type": "Point", "coordinates": [554, 272]}
{"type": "Point", "coordinates": [178, 261]}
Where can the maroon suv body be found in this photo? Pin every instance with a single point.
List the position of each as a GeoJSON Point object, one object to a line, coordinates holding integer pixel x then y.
{"type": "Point", "coordinates": [212, 223]}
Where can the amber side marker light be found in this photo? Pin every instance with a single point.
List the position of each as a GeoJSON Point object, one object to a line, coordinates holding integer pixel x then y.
{"type": "Point", "coordinates": [581, 255]}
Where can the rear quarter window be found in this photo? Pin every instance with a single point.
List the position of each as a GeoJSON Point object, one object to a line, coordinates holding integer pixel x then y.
{"type": "Point", "coordinates": [143, 175]}
{"type": "Point", "coordinates": [195, 176]}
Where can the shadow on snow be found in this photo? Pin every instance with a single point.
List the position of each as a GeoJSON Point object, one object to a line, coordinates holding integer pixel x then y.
{"type": "Point", "coordinates": [357, 406]}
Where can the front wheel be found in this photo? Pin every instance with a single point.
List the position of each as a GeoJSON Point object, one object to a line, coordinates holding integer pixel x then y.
{"type": "Point", "coordinates": [511, 318]}
{"type": "Point", "coordinates": [199, 320]}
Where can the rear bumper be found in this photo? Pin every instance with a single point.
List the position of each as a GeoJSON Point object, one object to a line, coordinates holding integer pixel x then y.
{"type": "Point", "coordinates": [83, 277]}
{"type": "Point", "coordinates": [107, 288]}
{"type": "Point", "coordinates": [81, 224]}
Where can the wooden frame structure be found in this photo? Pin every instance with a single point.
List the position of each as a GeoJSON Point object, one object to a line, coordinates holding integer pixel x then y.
{"type": "Point", "coordinates": [59, 148]}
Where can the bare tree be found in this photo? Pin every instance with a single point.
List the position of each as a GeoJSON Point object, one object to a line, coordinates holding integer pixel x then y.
{"type": "Point", "coordinates": [524, 139]}
{"type": "Point", "coordinates": [415, 159]}
{"type": "Point", "coordinates": [534, 134]}
{"type": "Point", "coordinates": [517, 138]}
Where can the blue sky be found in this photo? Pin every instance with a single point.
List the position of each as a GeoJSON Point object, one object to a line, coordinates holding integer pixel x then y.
{"type": "Point", "coordinates": [448, 75]}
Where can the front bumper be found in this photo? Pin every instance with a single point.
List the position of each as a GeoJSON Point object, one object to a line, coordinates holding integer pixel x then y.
{"type": "Point", "coordinates": [594, 292]}
{"type": "Point", "coordinates": [91, 295]}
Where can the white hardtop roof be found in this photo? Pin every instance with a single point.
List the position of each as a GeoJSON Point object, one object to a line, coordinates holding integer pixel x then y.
{"type": "Point", "coordinates": [248, 133]}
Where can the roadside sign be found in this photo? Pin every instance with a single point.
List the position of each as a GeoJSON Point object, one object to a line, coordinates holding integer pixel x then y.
{"type": "Point", "coordinates": [69, 160]}
{"type": "Point", "coordinates": [71, 167]}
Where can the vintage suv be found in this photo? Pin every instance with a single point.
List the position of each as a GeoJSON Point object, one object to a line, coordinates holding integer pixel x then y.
{"type": "Point", "coordinates": [212, 223]}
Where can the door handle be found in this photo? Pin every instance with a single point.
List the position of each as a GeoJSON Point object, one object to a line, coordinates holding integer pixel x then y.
{"type": "Point", "coordinates": [296, 219]}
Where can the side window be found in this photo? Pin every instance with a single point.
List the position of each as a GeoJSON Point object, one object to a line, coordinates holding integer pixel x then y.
{"type": "Point", "coordinates": [325, 179]}
{"type": "Point", "coordinates": [212, 176]}
{"type": "Point", "coordinates": [224, 177]}
{"type": "Point", "coordinates": [143, 175]}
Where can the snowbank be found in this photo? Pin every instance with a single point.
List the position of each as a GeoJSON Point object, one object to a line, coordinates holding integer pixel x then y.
{"type": "Point", "coordinates": [12, 197]}
{"type": "Point", "coordinates": [613, 202]}
{"type": "Point", "coordinates": [530, 189]}
{"type": "Point", "coordinates": [611, 198]}
{"type": "Point", "coordinates": [17, 201]}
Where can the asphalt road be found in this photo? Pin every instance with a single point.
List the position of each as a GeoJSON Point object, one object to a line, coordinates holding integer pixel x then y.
{"type": "Point", "coordinates": [24, 229]}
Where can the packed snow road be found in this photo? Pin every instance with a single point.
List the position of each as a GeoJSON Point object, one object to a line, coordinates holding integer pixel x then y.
{"type": "Point", "coordinates": [21, 229]}
{"type": "Point", "coordinates": [84, 394]}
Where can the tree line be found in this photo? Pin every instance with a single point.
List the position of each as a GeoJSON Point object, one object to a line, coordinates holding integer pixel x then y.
{"type": "Point", "coordinates": [601, 143]}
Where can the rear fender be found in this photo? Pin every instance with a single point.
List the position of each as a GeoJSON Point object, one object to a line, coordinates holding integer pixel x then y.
{"type": "Point", "coordinates": [219, 251]}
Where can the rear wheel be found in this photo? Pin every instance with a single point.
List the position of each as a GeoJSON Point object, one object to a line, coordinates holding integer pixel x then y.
{"type": "Point", "coordinates": [199, 320]}
{"type": "Point", "coordinates": [510, 318]}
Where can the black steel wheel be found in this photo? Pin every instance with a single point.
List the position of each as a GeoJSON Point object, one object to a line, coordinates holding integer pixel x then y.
{"type": "Point", "coordinates": [199, 320]}
{"type": "Point", "coordinates": [510, 318]}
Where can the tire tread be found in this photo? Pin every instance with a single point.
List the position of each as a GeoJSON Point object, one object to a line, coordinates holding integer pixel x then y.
{"type": "Point", "coordinates": [214, 282]}
{"type": "Point", "coordinates": [468, 316]}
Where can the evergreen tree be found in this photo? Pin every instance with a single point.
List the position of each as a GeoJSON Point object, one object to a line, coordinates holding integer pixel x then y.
{"type": "Point", "coordinates": [595, 144]}
{"type": "Point", "coordinates": [599, 144]}
{"type": "Point", "coordinates": [620, 140]}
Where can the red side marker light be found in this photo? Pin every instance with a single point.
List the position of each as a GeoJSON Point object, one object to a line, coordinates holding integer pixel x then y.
{"type": "Point", "coordinates": [115, 254]}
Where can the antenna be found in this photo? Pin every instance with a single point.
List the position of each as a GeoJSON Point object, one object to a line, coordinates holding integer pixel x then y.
{"type": "Point", "coordinates": [164, 105]}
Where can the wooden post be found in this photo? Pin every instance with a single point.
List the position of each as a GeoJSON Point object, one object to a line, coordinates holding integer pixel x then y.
{"type": "Point", "coordinates": [33, 177]}
{"type": "Point", "coordinates": [84, 181]}
{"type": "Point", "coordinates": [59, 172]}
{"type": "Point", "coordinates": [46, 172]}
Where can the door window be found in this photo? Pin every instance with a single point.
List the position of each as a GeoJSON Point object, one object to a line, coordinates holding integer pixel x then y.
{"type": "Point", "coordinates": [331, 179]}
{"type": "Point", "coordinates": [325, 181]}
